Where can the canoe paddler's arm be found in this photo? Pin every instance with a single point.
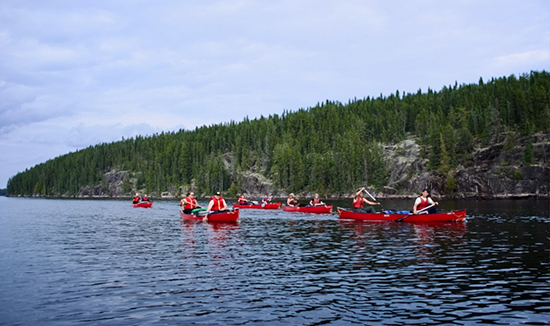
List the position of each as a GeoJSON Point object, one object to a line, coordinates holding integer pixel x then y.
{"type": "Point", "coordinates": [209, 208]}
{"type": "Point", "coordinates": [371, 202]}
{"type": "Point", "coordinates": [415, 209]}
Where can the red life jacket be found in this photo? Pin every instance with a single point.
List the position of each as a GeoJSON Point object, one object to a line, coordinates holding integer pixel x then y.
{"type": "Point", "coordinates": [190, 203]}
{"type": "Point", "coordinates": [358, 202]}
{"type": "Point", "coordinates": [218, 203]}
{"type": "Point", "coordinates": [316, 201]}
{"type": "Point", "coordinates": [242, 200]}
{"type": "Point", "coordinates": [423, 203]}
{"type": "Point", "coordinates": [136, 199]}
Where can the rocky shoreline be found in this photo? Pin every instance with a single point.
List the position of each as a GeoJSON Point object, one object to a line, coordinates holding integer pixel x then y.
{"type": "Point", "coordinates": [377, 195]}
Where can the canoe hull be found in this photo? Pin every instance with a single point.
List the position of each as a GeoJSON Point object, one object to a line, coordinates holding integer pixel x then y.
{"type": "Point", "coordinates": [309, 209]}
{"type": "Point", "coordinates": [453, 216]}
{"type": "Point", "coordinates": [145, 204]}
{"type": "Point", "coordinates": [266, 206]}
{"type": "Point", "coordinates": [228, 216]}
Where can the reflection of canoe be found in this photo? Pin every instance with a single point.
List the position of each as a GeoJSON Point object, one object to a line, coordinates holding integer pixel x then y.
{"type": "Point", "coordinates": [144, 204]}
{"type": "Point", "coordinates": [224, 216]}
{"type": "Point", "coordinates": [266, 206]}
{"type": "Point", "coordinates": [309, 209]}
{"type": "Point", "coordinates": [453, 216]}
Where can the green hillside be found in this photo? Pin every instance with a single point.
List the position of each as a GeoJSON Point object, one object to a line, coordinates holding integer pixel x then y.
{"type": "Point", "coordinates": [329, 148]}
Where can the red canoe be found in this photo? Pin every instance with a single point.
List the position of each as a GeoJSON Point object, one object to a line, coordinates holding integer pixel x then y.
{"type": "Point", "coordinates": [225, 216]}
{"type": "Point", "coordinates": [266, 206]}
{"type": "Point", "coordinates": [309, 209]}
{"type": "Point", "coordinates": [453, 216]}
{"type": "Point", "coordinates": [144, 204]}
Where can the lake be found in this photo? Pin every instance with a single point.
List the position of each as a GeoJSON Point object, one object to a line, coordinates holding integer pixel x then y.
{"type": "Point", "coordinates": [103, 262]}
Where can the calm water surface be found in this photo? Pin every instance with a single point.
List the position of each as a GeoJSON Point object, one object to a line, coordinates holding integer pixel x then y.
{"type": "Point", "coordinates": [99, 262]}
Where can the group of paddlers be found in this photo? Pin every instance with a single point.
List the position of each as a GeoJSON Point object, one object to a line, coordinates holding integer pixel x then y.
{"type": "Point", "coordinates": [138, 198]}
{"type": "Point", "coordinates": [293, 202]}
{"type": "Point", "coordinates": [264, 200]}
{"type": "Point", "coordinates": [190, 205]}
{"type": "Point", "coordinates": [422, 204]}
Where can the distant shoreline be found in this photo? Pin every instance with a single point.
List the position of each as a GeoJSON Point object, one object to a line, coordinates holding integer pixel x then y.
{"type": "Point", "coordinates": [283, 198]}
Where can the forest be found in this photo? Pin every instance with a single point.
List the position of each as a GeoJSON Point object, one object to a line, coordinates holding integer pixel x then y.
{"type": "Point", "coordinates": [329, 148]}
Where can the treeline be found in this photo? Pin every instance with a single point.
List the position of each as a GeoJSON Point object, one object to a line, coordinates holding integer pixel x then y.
{"type": "Point", "coordinates": [329, 148]}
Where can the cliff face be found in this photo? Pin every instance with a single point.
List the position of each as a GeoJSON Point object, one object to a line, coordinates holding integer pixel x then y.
{"type": "Point", "coordinates": [112, 187]}
{"type": "Point", "coordinates": [497, 171]}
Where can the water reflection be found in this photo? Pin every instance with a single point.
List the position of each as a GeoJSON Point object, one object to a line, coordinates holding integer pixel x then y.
{"type": "Point", "coordinates": [437, 242]}
{"type": "Point", "coordinates": [82, 262]}
{"type": "Point", "coordinates": [212, 236]}
{"type": "Point", "coordinates": [405, 243]}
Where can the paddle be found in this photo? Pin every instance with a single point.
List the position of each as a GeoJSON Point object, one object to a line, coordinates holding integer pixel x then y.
{"type": "Point", "coordinates": [203, 213]}
{"type": "Point", "coordinates": [371, 196]}
{"type": "Point", "coordinates": [196, 212]}
{"type": "Point", "coordinates": [220, 211]}
{"type": "Point", "coordinates": [420, 210]}
{"type": "Point", "coordinates": [425, 208]}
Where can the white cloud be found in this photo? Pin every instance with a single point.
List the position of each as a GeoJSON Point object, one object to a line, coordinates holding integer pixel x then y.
{"type": "Point", "coordinates": [522, 59]}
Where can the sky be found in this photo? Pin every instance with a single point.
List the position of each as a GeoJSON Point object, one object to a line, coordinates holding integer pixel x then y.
{"type": "Point", "coordinates": [74, 74]}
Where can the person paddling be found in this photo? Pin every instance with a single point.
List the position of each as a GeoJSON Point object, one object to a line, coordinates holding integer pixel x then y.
{"type": "Point", "coordinates": [189, 203]}
{"type": "Point", "coordinates": [242, 200]}
{"type": "Point", "coordinates": [359, 202]}
{"type": "Point", "coordinates": [291, 200]}
{"type": "Point", "coordinates": [266, 200]}
{"type": "Point", "coordinates": [136, 199]}
{"type": "Point", "coordinates": [316, 201]}
{"type": "Point", "coordinates": [217, 203]}
{"type": "Point", "coordinates": [423, 202]}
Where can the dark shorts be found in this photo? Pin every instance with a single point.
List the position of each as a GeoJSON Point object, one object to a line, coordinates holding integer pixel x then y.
{"type": "Point", "coordinates": [368, 209]}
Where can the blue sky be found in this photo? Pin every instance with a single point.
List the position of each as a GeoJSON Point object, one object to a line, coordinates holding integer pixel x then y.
{"type": "Point", "coordinates": [79, 73]}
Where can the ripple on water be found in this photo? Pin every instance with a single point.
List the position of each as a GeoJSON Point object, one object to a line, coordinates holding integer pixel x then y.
{"type": "Point", "coordinates": [102, 262]}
